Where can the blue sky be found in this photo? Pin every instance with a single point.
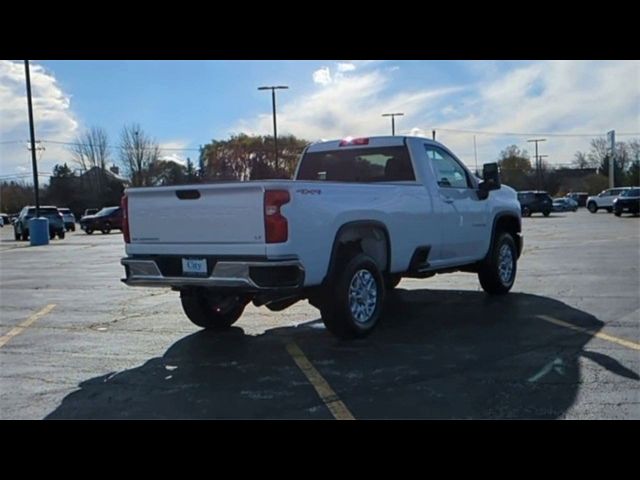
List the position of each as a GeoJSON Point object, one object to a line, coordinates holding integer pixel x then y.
{"type": "Point", "coordinates": [184, 104]}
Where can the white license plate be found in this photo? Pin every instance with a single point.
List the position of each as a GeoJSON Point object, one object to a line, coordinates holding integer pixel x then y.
{"type": "Point", "coordinates": [194, 266]}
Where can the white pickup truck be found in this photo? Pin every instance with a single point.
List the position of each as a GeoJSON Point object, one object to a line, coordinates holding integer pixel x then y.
{"type": "Point", "coordinates": [359, 215]}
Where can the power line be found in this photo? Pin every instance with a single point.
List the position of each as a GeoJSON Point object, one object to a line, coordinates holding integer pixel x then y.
{"type": "Point", "coordinates": [479, 132]}
{"type": "Point", "coordinates": [119, 147]}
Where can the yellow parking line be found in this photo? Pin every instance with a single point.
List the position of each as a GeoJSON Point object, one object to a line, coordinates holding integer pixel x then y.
{"type": "Point", "coordinates": [17, 330]}
{"type": "Point", "coordinates": [595, 333]}
{"type": "Point", "coordinates": [326, 393]}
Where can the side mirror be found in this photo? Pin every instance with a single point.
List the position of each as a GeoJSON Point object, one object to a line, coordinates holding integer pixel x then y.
{"type": "Point", "coordinates": [491, 180]}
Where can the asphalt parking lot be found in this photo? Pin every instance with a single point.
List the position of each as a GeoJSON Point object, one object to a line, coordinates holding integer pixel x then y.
{"type": "Point", "coordinates": [77, 343]}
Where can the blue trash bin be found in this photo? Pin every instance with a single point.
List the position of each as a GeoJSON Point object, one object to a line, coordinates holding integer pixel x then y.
{"type": "Point", "coordinates": [39, 231]}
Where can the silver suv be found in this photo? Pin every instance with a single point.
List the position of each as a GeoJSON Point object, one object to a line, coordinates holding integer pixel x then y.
{"type": "Point", "coordinates": [604, 199]}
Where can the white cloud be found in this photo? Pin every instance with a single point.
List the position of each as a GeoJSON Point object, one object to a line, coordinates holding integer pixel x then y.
{"type": "Point", "coordinates": [349, 105]}
{"type": "Point", "coordinates": [322, 76]}
{"type": "Point", "coordinates": [53, 118]}
{"type": "Point", "coordinates": [346, 67]}
{"type": "Point", "coordinates": [546, 97]}
{"type": "Point", "coordinates": [172, 151]}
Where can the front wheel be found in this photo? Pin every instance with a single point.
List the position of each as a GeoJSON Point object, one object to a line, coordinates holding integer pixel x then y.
{"type": "Point", "coordinates": [210, 311]}
{"type": "Point", "coordinates": [498, 271]}
{"type": "Point", "coordinates": [106, 229]}
{"type": "Point", "coordinates": [617, 213]}
{"type": "Point", "coordinates": [89, 231]}
{"type": "Point", "coordinates": [592, 207]}
{"type": "Point", "coordinates": [353, 305]}
{"type": "Point", "coordinates": [61, 234]}
{"type": "Point", "coordinates": [546, 213]}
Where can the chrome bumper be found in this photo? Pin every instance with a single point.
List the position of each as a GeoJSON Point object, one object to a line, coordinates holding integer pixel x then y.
{"type": "Point", "coordinates": [225, 274]}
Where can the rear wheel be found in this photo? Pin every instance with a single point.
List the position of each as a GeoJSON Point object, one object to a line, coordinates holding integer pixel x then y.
{"type": "Point", "coordinates": [213, 312]}
{"type": "Point", "coordinates": [61, 234]}
{"type": "Point", "coordinates": [89, 231]}
{"type": "Point", "coordinates": [16, 235]}
{"type": "Point", "coordinates": [25, 236]}
{"type": "Point", "coordinates": [498, 271]}
{"type": "Point", "coordinates": [353, 304]}
{"type": "Point", "coordinates": [592, 207]}
{"type": "Point", "coordinates": [526, 212]}
{"type": "Point", "coordinates": [546, 213]}
{"type": "Point", "coordinates": [617, 213]}
{"type": "Point", "coordinates": [106, 229]}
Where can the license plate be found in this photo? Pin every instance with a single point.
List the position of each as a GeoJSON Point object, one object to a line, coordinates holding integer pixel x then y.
{"type": "Point", "coordinates": [194, 266]}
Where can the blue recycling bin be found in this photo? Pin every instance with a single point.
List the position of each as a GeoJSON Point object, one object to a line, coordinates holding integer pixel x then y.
{"type": "Point", "coordinates": [39, 231]}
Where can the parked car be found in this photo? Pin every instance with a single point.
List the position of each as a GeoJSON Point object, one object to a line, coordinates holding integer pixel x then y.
{"type": "Point", "coordinates": [69, 219]}
{"type": "Point", "coordinates": [56, 223]}
{"type": "Point", "coordinates": [90, 211]}
{"type": "Point", "coordinates": [535, 202]}
{"type": "Point", "coordinates": [4, 220]}
{"type": "Point", "coordinates": [107, 219]}
{"type": "Point", "coordinates": [628, 201]}
{"type": "Point", "coordinates": [579, 197]}
{"type": "Point", "coordinates": [359, 215]}
{"type": "Point", "coordinates": [604, 199]}
{"type": "Point", "coordinates": [564, 204]}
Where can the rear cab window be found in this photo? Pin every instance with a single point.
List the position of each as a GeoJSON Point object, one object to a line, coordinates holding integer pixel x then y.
{"type": "Point", "coordinates": [358, 165]}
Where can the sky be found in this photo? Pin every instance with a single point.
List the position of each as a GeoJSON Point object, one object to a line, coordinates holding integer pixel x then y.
{"type": "Point", "coordinates": [185, 104]}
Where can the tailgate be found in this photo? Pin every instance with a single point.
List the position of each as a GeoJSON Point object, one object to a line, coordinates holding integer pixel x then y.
{"type": "Point", "coordinates": [227, 213]}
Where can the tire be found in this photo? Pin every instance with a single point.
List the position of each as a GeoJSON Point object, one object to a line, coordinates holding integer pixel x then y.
{"type": "Point", "coordinates": [546, 213]}
{"type": "Point", "coordinates": [52, 235]}
{"type": "Point", "coordinates": [204, 309]}
{"type": "Point", "coordinates": [16, 235]}
{"type": "Point", "coordinates": [25, 236]}
{"type": "Point", "coordinates": [617, 213]}
{"type": "Point", "coordinates": [592, 207]}
{"type": "Point", "coordinates": [609, 209]}
{"type": "Point", "coordinates": [61, 234]}
{"type": "Point", "coordinates": [489, 274]}
{"type": "Point", "coordinates": [526, 212]}
{"type": "Point", "coordinates": [89, 231]}
{"type": "Point", "coordinates": [342, 312]}
{"type": "Point", "coordinates": [106, 229]}
{"type": "Point", "coordinates": [392, 280]}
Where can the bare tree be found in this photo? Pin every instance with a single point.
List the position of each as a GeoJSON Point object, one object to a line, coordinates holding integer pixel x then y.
{"type": "Point", "coordinates": [138, 153]}
{"type": "Point", "coordinates": [91, 149]}
{"type": "Point", "coordinates": [580, 160]}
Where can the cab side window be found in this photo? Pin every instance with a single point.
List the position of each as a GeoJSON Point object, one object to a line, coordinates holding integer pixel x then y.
{"type": "Point", "coordinates": [449, 172]}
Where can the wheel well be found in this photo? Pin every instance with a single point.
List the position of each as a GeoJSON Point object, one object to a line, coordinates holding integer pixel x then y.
{"type": "Point", "coordinates": [509, 224]}
{"type": "Point", "coordinates": [370, 238]}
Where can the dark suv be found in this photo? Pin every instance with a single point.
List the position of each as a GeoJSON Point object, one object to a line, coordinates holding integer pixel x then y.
{"type": "Point", "coordinates": [56, 223]}
{"type": "Point", "coordinates": [535, 202]}
{"type": "Point", "coordinates": [105, 220]}
{"type": "Point", "coordinates": [628, 200]}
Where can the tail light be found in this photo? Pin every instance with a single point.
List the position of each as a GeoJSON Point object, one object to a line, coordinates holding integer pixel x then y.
{"type": "Point", "coordinates": [275, 225]}
{"type": "Point", "coordinates": [124, 204]}
{"type": "Point", "coordinates": [353, 141]}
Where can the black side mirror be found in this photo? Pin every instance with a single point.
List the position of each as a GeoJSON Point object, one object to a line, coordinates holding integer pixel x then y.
{"type": "Point", "coordinates": [491, 180]}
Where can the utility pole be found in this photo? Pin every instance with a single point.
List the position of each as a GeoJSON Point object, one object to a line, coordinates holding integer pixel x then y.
{"type": "Point", "coordinates": [540, 157]}
{"type": "Point", "coordinates": [393, 120]}
{"type": "Point", "coordinates": [475, 153]}
{"type": "Point", "coordinates": [611, 136]}
{"type": "Point", "coordinates": [275, 128]}
{"type": "Point", "coordinates": [433, 135]}
{"type": "Point", "coordinates": [536, 140]}
{"type": "Point", "coordinates": [34, 163]}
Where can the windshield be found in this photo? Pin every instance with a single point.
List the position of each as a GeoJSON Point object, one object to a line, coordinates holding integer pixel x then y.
{"type": "Point", "coordinates": [106, 211]}
{"type": "Point", "coordinates": [358, 165]}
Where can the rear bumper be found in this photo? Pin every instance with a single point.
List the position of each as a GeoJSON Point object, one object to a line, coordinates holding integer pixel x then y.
{"type": "Point", "coordinates": [240, 275]}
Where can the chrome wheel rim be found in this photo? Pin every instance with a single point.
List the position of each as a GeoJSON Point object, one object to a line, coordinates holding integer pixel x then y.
{"type": "Point", "coordinates": [505, 264]}
{"type": "Point", "coordinates": [363, 296]}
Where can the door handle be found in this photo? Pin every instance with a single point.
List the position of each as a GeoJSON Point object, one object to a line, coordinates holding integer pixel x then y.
{"type": "Point", "coordinates": [447, 199]}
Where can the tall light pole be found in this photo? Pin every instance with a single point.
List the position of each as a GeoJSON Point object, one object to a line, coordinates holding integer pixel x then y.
{"type": "Point", "coordinates": [34, 163]}
{"type": "Point", "coordinates": [536, 140]}
{"type": "Point", "coordinates": [393, 120]}
{"type": "Point", "coordinates": [275, 128]}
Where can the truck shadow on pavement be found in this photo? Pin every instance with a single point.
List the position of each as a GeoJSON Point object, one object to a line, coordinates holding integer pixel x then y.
{"type": "Point", "coordinates": [436, 354]}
